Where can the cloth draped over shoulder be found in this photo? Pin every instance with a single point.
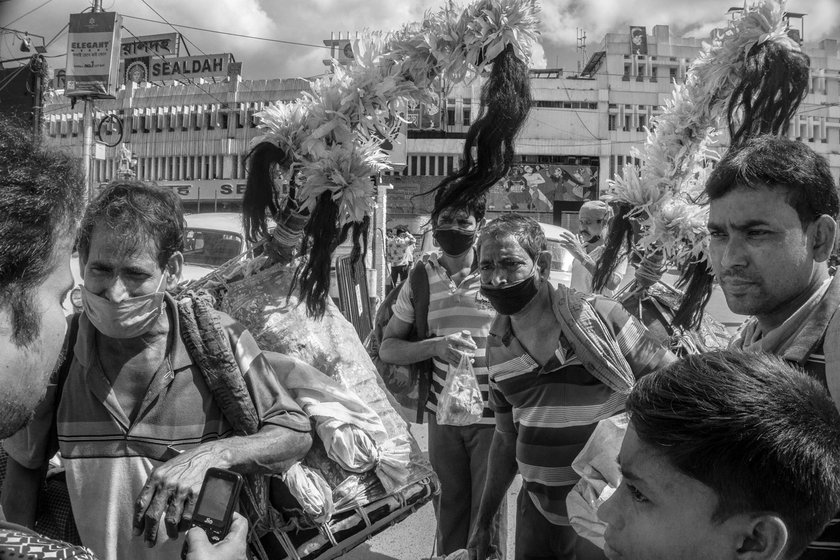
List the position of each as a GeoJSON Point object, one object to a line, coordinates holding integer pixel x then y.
{"type": "Point", "coordinates": [593, 344]}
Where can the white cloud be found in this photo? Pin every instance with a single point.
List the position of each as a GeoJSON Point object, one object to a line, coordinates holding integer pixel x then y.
{"type": "Point", "coordinates": [311, 21]}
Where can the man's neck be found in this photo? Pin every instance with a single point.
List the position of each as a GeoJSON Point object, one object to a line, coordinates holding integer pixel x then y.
{"type": "Point", "coordinates": [593, 243]}
{"type": "Point", "coordinates": [124, 349]}
{"type": "Point", "coordinates": [536, 327]}
{"type": "Point", "coordinates": [454, 265]}
{"type": "Point", "coordinates": [533, 314]}
{"type": "Point", "coordinates": [770, 321]}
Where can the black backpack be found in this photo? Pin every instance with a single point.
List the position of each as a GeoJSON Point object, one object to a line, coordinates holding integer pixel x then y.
{"type": "Point", "coordinates": [414, 393]}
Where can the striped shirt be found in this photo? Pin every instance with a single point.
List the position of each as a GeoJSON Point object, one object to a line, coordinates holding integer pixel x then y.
{"type": "Point", "coordinates": [108, 458]}
{"type": "Point", "coordinates": [556, 407]}
{"type": "Point", "coordinates": [453, 309]}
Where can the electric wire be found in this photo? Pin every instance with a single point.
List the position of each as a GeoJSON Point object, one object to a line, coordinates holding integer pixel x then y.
{"type": "Point", "coordinates": [26, 14]}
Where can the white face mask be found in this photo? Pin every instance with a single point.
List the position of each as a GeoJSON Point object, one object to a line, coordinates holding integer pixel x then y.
{"type": "Point", "coordinates": [129, 318]}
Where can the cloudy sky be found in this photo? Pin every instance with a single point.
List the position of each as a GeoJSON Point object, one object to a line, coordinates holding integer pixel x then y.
{"type": "Point", "coordinates": [308, 22]}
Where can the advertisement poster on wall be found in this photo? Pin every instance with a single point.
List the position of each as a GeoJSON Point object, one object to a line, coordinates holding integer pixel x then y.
{"type": "Point", "coordinates": [536, 187]}
{"type": "Point", "coordinates": [638, 40]}
{"type": "Point", "coordinates": [93, 54]}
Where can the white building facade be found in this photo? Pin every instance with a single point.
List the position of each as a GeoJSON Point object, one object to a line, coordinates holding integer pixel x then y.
{"type": "Point", "coordinates": [579, 133]}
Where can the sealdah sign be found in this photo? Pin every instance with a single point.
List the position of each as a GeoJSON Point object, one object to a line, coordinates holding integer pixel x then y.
{"type": "Point", "coordinates": [189, 66]}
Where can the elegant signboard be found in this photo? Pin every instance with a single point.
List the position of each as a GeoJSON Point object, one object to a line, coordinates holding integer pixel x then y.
{"type": "Point", "coordinates": [93, 54]}
{"type": "Point", "coordinates": [162, 45]}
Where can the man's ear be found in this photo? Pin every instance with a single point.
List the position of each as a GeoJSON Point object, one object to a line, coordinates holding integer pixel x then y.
{"type": "Point", "coordinates": [482, 223]}
{"type": "Point", "coordinates": [763, 537]}
{"type": "Point", "coordinates": [174, 267]}
{"type": "Point", "coordinates": [824, 230]}
{"type": "Point", "coordinates": [544, 264]}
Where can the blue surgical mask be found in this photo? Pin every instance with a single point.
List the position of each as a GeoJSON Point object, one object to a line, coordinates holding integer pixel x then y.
{"type": "Point", "coordinates": [128, 318]}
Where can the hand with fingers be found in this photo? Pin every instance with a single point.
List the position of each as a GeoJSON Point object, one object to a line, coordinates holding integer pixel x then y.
{"type": "Point", "coordinates": [571, 242]}
{"type": "Point", "coordinates": [450, 347]}
{"type": "Point", "coordinates": [479, 544]}
{"type": "Point", "coordinates": [232, 547]}
{"type": "Point", "coordinates": [171, 492]}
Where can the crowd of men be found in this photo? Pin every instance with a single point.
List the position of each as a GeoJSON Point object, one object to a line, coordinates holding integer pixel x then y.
{"type": "Point", "coordinates": [728, 455]}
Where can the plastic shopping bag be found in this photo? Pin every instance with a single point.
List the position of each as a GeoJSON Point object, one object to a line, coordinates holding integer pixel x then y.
{"type": "Point", "coordinates": [596, 464]}
{"type": "Point", "coordinates": [460, 402]}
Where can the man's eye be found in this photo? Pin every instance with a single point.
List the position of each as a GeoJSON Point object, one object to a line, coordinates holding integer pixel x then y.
{"type": "Point", "coordinates": [636, 495]}
{"type": "Point", "coordinates": [717, 234]}
{"type": "Point", "coordinates": [757, 232]}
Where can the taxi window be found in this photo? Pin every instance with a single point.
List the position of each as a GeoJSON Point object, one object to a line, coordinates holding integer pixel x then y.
{"type": "Point", "coordinates": [560, 261]}
{"type": "Point", "coordinates": [211, 247]}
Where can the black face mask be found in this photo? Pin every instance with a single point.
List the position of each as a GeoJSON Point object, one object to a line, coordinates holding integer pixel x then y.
{"type": "Point", "coordinates": [455, 242]}
{"type": "Point", "coordinates": [511, 299]}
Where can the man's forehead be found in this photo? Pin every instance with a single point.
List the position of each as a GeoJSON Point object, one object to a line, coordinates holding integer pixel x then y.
{"type": "Point", "coordinates": [501, 247]}
{"type": "Point", "coordinates": [113, 245]}
{"type": "Point", "coordinates": [752, 202]}
{"type": "Point", "coordinates": [451, 214]}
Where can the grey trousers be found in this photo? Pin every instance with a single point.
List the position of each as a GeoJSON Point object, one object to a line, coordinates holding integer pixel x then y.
{"type": "Point", "coordinates": [459, 457]}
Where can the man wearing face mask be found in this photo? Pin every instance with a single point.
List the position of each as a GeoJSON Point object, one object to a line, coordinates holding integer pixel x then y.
{"type": "Point", "coordinates": [588, 246]}
{"type": "Point", "coordinates": [137, 426]}
{"type": "Point", "coordinates": [457, 453]}
{"type": "Point", "coordinates": [559, 362]}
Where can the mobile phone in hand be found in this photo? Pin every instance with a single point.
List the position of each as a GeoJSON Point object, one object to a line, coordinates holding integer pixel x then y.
{"type": "Point", "coordinates": [216, 503]}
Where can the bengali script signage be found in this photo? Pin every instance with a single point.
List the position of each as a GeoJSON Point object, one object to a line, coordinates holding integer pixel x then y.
{"type": "Point", "coordinates": [92, 54]}
{"type": "Point", "coordinates": [165, 44]}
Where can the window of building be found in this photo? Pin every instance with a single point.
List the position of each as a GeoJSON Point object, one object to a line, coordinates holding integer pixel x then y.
{"type": "Point", "coordinates": [672, 74]}
{"type": "Point", "coordinates": [628, 122]}
{"type": "Point", "coordinates": [450, 164]}
{"type": "Point", "coordinates": [413, 162]}
{"type": "Point", "coordinates": [423, 165]}
{"type": "Point", "coordinates": [642, 122]}
{"type": "Point", "coordinates": [611, 122]}
{"type": "Point", "coordinates": [626, 76]}
{"type": "Point", "coordinates": [466, 116]}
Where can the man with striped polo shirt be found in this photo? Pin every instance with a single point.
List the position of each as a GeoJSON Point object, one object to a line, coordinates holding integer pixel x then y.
{"type": "Point", "coordinates": [559, 362]}
{"type": "Point", "coordinates": [135, 420]}
{"type": "Point", "coordinates": [458, 453]}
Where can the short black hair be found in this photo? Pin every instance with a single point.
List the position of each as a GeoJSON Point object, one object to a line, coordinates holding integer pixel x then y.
{"type": "Point", "coordinates": [133, 208]}
{"type": "Point", "coordinates": [526, 231]}
{"type": "Point", "coordinates": [762, 434]}
{"type": "Point", "coordinates": [476, 207]}
{"type": "Point", "coordinates": [41, 197]}
{"type": "Point", "coordinates": [776, 162]}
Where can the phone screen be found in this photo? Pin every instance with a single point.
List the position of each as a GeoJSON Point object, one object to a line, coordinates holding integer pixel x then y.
{"type": "Point", "coordinates": [215, 499]}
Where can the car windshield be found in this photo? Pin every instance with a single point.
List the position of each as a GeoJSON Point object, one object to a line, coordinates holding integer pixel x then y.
{"type": "Point", "coordinates": [558, 256]}
{"type": "Point", "coordinates": [209, 247]}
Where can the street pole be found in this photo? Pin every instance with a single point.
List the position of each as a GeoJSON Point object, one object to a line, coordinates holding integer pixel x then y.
{"type": "Point", "coordinates": [87, 147]}
{"type": "Point", "coordinates": [87, 121]}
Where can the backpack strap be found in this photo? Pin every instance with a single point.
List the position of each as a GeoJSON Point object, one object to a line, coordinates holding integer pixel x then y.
{"type": "Point", "coordinates": [421, 372]}
{"type": "Point", "coordinates": [61, 377]}
{"type": "Point", "coordinates": [419, 280]}
{"type": "Point", "coordinates": [831, 348]}
{"type": "Point", "coordinates": [64, 369]}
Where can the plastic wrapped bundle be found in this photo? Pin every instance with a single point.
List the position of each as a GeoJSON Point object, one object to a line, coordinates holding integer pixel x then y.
{"type": "Point", "coordinates": [365, 463]}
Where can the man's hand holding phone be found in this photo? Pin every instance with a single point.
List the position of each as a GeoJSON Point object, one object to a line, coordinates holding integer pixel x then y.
{"type": "Point", "coordinates": [171, 492]}
{"type": "Point", "coordinates": [232, 547]}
